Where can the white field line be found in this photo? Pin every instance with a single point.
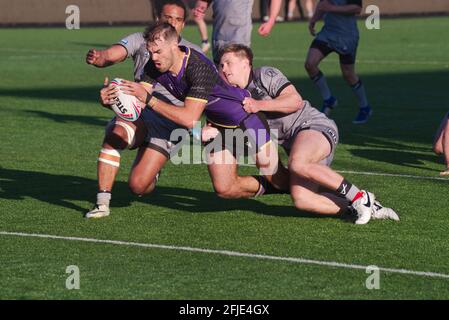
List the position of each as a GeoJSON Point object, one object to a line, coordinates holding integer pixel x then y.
{"type": "Point", "coordinates": [67, 54]}
{"type": "Point", "coordinates": [368, 61]}
{"type": "Point", "coordinates": [229, 253]}
{"type": "Point", "coordinates": [382, 174]}
{"type": "Point", "coordinates": [393, 175]}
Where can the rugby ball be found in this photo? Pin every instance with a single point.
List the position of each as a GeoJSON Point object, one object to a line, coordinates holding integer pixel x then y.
{"type": "Point", "coordinates": [126, 106]}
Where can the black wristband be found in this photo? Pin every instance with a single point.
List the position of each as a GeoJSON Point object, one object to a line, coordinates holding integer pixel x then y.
{"type": "Point", "coordinates": [148, 98]}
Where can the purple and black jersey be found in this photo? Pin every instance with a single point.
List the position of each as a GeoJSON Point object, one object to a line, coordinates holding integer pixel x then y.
{"type": "Point", "coordinates": [199, 80]}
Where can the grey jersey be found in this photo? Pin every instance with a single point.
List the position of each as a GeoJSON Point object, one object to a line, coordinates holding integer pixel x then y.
{"type": "Point", "coordinates": [136, 48]}
{"type": "Point", "coordinates": [232, 23]}
{"type": "Point", "coordinates": [267, 83]}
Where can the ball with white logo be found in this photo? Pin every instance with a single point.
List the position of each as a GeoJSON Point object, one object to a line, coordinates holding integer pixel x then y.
{"type": "Point", "coordinates": [126, 106]}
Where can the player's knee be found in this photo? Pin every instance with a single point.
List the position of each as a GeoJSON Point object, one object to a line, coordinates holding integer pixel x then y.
{"type": "Point", "coordinates": [310, 66]}
{"type": "Point", "coordinates": [300, 200]}
{"type": "Point", "coordinates": [224, 191]}
{"type": "Point", "coordinates": [349, 76]}
{"type": "Point", "coordinates": [299, 167]}
{"type": "Point", "coordinates": [140, 186]}
{"type": "Point", "coordinates": [437, 148]}
{"type": "Point", "coordinates": [120, 135]}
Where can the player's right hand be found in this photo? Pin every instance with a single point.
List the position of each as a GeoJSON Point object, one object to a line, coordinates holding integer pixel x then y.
{"type": "Point", "coordinates": [208, 133]}
{"type": "Point", "coordinates": [108, 94]}
{"type": "Point", "coordinates": [92, 57]}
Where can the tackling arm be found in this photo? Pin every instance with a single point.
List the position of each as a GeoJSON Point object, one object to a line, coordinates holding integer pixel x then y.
{"type": "Point", "coordinates": [104, 58]}
{"type": "Point", "coordinates": [288, 101]}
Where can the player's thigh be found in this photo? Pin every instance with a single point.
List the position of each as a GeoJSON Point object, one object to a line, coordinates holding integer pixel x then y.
{"type": "Point", "coordinates": [314, 57]}
{"type": "Point", "coordinates": [146, 166]}
{"type": "Point", "coordinates": [222, 166]}
{"type": "Point", "coordinates": [309, 146]}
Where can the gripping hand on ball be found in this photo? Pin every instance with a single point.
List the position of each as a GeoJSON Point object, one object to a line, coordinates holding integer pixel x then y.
{"type": "Point", "coordinates": [135, 89]}
{"type": "Point", "coordinates": [108, 94]}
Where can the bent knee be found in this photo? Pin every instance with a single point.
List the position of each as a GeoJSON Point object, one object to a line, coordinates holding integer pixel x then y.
{"type": "Point", "coordinates": [140, 187]}
{"type": "Point", "coordinates": [437, 149]}
{"type": "Point", "coordinates": [224, 191]}
{"type": "Point", "coordinates": [299, 168]}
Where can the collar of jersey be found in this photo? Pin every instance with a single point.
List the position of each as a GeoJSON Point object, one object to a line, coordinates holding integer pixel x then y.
{"type": "Point", "coordinates": [184, 62]}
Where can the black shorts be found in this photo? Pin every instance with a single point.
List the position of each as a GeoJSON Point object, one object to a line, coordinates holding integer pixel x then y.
{"type": "Point", "coordinates": [243, 140]}
{"type": "Point", "coordinates": [325, 49]}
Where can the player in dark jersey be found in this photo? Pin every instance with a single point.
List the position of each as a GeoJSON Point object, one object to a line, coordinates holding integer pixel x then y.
{"type": "Point", "coordinates": [193, 79]}
{"type": "Point", "coordinates": [307, 135]}
{"type": "Point", "coordinates": [339, 34]}
{"type": "Point", "coordinates": [150, 127]}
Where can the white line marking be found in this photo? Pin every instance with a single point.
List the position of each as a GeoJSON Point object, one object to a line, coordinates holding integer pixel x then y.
{"type": "Point", "coordinates": [392, 175]}
{"type": "Point", "coordinates": [230, 253]}
{"type": "Point", "coordinates": [368, 61]}
{"type": "Point", "coordinates": [382, 174]}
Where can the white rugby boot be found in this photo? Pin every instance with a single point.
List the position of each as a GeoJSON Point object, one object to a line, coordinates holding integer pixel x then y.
{"type": "Point", "coordinates": [381, 212]}
{"type": "Point", "coordinates": [99, 211]}
{"type": "Point", "coordinates": [363, 206]}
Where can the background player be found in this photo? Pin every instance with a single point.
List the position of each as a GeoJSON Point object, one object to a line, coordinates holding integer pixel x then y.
{"type": "Point", "coordinates": [339, 34]}
{"type": "Point", "coordinates": [232, 21]}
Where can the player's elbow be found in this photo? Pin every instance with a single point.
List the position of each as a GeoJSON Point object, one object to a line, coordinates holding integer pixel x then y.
{"type": "Point", "coordinates": [299, 103]}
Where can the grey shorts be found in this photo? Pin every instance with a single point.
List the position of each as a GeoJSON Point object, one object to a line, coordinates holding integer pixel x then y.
{"type": "Point", "coordinates": [163, 135]}
{"type": "Point", "coordinates": [308, 118]}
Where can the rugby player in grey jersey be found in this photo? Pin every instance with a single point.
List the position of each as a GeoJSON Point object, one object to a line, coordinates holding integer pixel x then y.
{"type": "Point", "coordinates": [150, 133]}
{"type": "Point", "coordinates": [308, 136]}
{"type": "Point", "coordinates": [232, 21]}
{"type": "Point", "coordinates": [339, 34]}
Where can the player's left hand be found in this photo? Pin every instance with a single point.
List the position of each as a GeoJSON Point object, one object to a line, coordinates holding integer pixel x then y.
{"type": "Point", "coordinates": [250, 105]}
{"type": "Point", "coordinates": [134, 89]}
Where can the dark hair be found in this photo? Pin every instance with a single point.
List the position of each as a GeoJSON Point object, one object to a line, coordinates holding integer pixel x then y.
{"type": "Point", "coordinates": [178, 3]}
{"type": "Point", "coordinates": [160, 30]}
{"type": "Point", "coordinates": [240, 50]}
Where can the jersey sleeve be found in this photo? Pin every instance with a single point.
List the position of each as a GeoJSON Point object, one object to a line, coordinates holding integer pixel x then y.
{"type": "Point", "coordinates": [357, 2]}
{"type": "Point", "coordinates": [273, 80]}
{"type": "Point", "coordinates": [201, 79]}
{"type": "Point", "coordinates": [132, 43]}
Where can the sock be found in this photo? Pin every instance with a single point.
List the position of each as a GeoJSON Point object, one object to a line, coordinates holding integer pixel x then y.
{"type": "Point", "coordinates": [359, 91]}
{"type": "Point", "coordinates": [266, 187]}
{"type": "Point", "coordinates": [349, 191]}
{"type": "Point", "coordinates": [321, 83]}
{"type": "Point", "coordinates": [104, 197]}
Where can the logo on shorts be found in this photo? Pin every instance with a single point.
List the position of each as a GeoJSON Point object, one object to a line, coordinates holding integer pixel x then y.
{"type": "Point", "coordinates": [124, 41]}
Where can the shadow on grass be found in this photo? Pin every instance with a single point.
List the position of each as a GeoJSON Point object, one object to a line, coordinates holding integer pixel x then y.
{"type": "Point", "coordinates": [63, 190]}
{"type": "Point", "coordinates": [65, 118]}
